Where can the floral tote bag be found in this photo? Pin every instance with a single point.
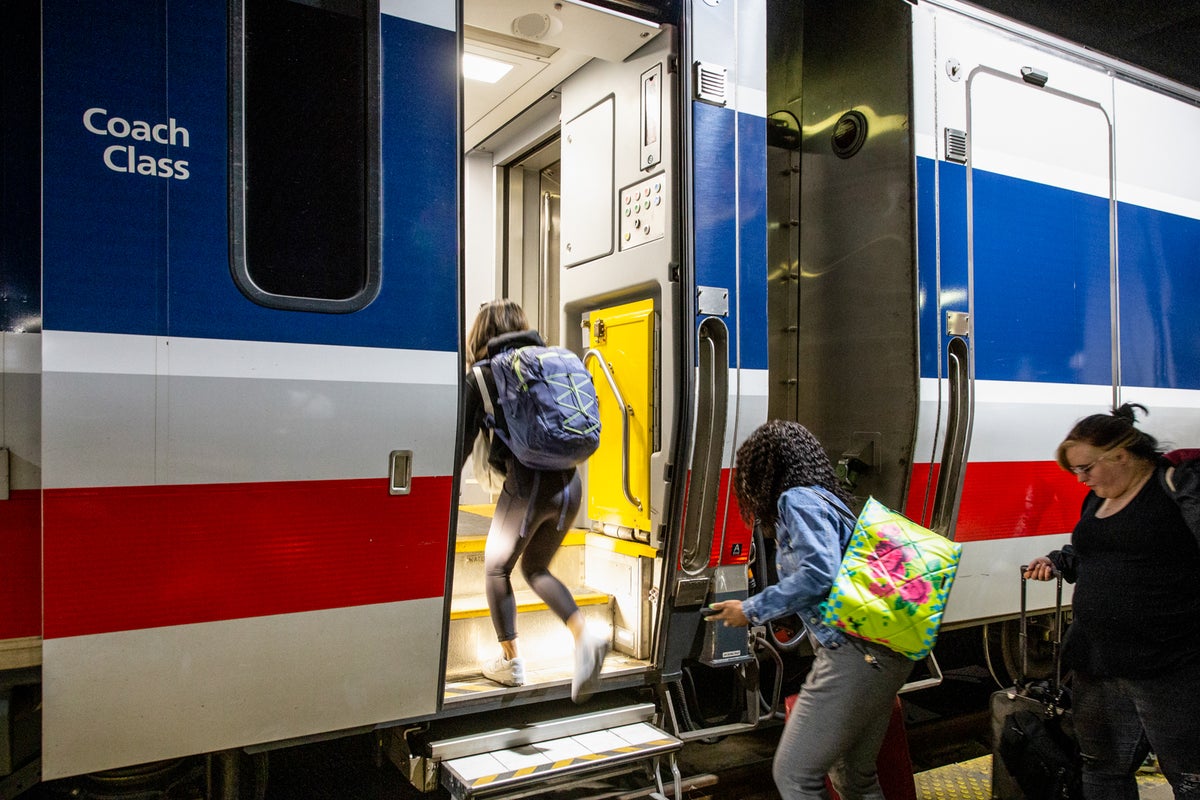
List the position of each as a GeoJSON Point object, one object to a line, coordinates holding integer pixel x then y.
{"type": "Point", "coordinates": [893, 583]}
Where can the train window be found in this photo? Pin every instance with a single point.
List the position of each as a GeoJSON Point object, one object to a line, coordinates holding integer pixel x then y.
{"type": "Point", "coordinates": [304, 152]}
{"type": "Point", "coordinates": [20, 161]}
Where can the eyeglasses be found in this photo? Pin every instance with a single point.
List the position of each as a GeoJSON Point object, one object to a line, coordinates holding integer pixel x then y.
{"type": "Point", "coordinates": [1086, 468]}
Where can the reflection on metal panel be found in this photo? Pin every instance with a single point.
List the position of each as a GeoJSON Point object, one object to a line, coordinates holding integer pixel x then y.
{"type": "Point", "coordinates": [846, 279]}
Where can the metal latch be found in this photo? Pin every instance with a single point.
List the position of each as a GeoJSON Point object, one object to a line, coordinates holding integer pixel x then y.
{"type": "Point", "coordinates": [400, 472]}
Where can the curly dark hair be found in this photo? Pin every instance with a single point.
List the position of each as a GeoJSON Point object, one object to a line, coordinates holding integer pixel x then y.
{"type": "Point", "coordinates": [778, 456]}
{"type": "Point", "coordinates": [1110, 431]}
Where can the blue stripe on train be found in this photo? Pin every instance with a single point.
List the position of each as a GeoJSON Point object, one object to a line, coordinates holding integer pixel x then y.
{"type": "Point", "coordinates": [1041, 290]}
{"type": "Point", "coordinates": [1160, 295]}
{"type": "Point", "coordinates": [135, 254]}
{"type": "Point", "coordinates": [752, 266]}
{"type": "Point", "coordinates": [731, 244]}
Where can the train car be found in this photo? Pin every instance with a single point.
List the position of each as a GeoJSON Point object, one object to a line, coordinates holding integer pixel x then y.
{"type": "Point", "coordinates": [987, 248]}
{"type": "Point", "coordinates": [234, 301]}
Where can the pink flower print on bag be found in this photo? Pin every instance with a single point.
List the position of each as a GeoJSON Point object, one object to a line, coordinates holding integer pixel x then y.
{"type": "Point", "coordinates": [887, 565]}
{"type": "Point", "coordinates": [916, 591]}
{"type": "Point", "coordinates": [893, 582]}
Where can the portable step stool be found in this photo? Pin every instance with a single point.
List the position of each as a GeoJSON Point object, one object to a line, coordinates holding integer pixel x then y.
{"type": "Point", "coordinates": [517, 762]}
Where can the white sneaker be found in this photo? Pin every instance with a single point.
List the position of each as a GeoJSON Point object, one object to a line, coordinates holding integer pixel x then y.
{"type": "Point", "coordinates": [589, 660]}
{"type": "Point", "coordinates": [506, 672]}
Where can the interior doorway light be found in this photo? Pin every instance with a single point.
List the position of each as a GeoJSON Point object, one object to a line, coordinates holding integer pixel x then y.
{"type": "Point", "coordinates": [482, 68]}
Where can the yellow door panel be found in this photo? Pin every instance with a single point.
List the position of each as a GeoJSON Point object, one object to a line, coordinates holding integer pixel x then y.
{"type": "Point", "coordinates": [624, 336]}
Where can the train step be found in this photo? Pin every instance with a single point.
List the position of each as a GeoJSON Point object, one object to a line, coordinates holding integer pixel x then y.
{"type": "Point", "coordinates": [568, 564]}
{"type": "Point", "coordinates": [545, 641]}
{"type": "Point", "coordinates": [475, 605]}
{"type": "Point", "coordinates": [556, 754]}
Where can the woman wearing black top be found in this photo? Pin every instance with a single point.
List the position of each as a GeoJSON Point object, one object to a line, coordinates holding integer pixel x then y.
{"type": "Point", "coordinates": [533, 512]}
{"type": "Point", "coordinates": [1134, 642]}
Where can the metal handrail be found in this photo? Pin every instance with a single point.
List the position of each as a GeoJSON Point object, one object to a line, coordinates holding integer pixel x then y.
{"type": "Point", "coordinates": [593, 353]}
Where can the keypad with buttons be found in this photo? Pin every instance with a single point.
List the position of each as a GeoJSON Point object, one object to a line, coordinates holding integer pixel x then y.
{"type": "Point", "coordinates": [643, 211]}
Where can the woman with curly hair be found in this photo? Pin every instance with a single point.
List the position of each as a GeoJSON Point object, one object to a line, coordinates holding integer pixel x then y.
{"type": "Point", "coordinates": [785, 483]}
{"type": "Point", "coordinates": [1134, 641]}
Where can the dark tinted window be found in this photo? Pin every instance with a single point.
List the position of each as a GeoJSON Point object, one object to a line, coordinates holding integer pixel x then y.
{"type": "Point", "coordinates": [304, 175]}
{"type": "Point", "coordinates": [20, 162]}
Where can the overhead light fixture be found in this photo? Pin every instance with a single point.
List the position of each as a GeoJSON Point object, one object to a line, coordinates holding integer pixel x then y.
{"type": "Point", "coordinates": [482, 68]}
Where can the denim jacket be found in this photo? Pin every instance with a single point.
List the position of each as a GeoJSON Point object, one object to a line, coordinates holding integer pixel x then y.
{"type": "Point", "coordinates": [811, 536]}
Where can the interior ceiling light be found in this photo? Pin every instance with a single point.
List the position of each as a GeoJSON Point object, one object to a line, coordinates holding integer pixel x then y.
{"type": "Point", "coordinates": [482, 68]}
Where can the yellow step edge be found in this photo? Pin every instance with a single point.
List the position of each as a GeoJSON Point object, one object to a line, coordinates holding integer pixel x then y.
{"type": "Point", "coordinates": [476, 605]}
{"type": "Point", "coordinates": [474, 543]}
{"type": "Point", "coordinates": [622, 546]}
{"type": "Point", "coordinates": [482, 509]}
{"type": "Point", "coordinates": [575, 537]}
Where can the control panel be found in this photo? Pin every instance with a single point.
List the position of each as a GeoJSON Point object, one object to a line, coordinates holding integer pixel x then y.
{"type": "Point", "coordinates": [644, 211]}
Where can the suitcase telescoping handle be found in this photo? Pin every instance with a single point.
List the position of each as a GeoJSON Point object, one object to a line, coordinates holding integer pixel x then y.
{"type": "Point", "coordinates": [1058, 620]}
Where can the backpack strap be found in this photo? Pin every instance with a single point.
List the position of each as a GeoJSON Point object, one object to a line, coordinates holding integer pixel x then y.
{"type": "Point", "coordinates": [1180, 477]}
{"type": "Point", "coordinates": [484, 392]}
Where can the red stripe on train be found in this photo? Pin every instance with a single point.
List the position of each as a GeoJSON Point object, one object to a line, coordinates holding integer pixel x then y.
{"type": "Point", "coordinates": [1005, 499]}
{"type": "Point", "coordinates": [20, 565]}
{"type": "Point", "coordinates": [1000, 500]}
{"type": "Point", "coordinates": [127, 558]}
{"type": "Point", "coordinates": [735, 544]}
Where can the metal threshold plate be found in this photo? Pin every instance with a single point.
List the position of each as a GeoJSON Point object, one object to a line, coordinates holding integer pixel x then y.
{"type": "Point", "coordinates": [488, 773]}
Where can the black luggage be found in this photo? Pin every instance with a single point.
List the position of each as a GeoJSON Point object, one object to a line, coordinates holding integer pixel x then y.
{"type": "Point", "coordinates": [1034, 754]}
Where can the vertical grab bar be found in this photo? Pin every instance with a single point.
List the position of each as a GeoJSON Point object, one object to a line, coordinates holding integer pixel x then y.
{"type": "Point", "coordinates": [712, 405]}
{"type": "Point", "coordinates": [545, 256]}
{"type": "Point", "coordinates": [958, 439]}
{"type": "Point", "coordinates": [594, 355]}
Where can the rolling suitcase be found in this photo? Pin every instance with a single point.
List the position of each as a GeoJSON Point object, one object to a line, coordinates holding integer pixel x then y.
{"type": "Point", "coordinates": [1034, 754]}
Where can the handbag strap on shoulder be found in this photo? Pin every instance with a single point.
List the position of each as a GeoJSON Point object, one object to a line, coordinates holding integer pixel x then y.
{"type": "Point", "coordinates": [840, 509]}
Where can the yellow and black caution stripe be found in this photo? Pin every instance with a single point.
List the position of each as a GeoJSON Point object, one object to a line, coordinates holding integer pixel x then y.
{"type": "Point", "coordinates": [619, 752]}
{"type": "Point", "coordinates": [491, 772]}
{"type": "Point", "coordinates": [470, 688]}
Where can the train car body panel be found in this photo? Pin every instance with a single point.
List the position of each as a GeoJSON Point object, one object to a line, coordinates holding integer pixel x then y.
{"type": "Point", "coordinates": [934, 237]}
{"type": "Point", "coordinates": [224, 559]}
{"type": "Point", "coordinates": [1010, 285]}
{"type": "Point", "coordinates": [20, 522]}
{"type": "Point", "coordinates": [729, 178]}
{"type": "Point", "coordinates": [1050, 245]}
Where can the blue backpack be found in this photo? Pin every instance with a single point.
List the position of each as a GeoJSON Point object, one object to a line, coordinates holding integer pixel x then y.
{"type": "Point", "coordinates": [552, 420]}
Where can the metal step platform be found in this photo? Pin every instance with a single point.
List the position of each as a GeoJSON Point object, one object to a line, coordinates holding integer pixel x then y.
{"type": "Point", "coordinates": [529, 760]}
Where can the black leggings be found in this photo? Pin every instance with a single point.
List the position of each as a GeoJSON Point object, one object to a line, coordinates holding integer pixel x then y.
{"type": "Point", "coordinates": [532, 515]}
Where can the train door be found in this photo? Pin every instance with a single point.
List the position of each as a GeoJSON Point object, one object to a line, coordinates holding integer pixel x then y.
{"type": "Point", "coordinates": [723, 345]}
{"type": "Point", "coordinates": [249, 370]}
{"type": "Point", "coordinates": [660, 253]}
{"type": "Point", "coordinates": [542, 179]}
{"type": "Point", "coordinates": [1026, 294]}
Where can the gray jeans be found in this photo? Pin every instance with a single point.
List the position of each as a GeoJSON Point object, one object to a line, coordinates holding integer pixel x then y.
{"type": "Point", "coordinates": [838, 723]}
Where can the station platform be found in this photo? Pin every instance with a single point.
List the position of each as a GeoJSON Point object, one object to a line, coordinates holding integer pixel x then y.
{"type": "Point", "coordinates": [972, 780]}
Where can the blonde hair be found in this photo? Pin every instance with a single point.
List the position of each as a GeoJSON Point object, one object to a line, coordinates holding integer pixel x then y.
{"type": "Point", "coordinates": [494, 318]}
